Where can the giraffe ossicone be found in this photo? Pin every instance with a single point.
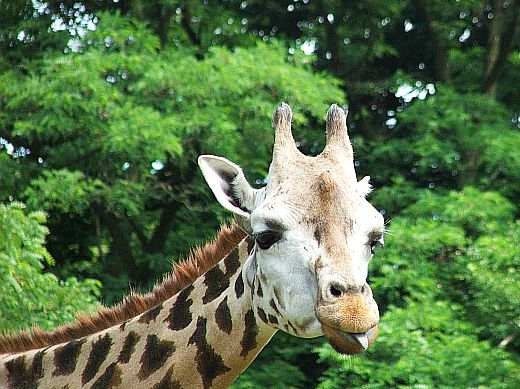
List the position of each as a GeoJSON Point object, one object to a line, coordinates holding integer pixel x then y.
{"type": "Point", "coordinates": [297, 263]}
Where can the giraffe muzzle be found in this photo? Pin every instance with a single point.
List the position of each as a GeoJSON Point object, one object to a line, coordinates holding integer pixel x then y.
{"type": "Point", "coordinates": [350, 343]}
{"type": "Point", "coordinates": [349, 322]}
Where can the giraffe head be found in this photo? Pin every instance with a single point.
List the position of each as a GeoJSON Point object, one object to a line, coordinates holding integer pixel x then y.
{"type": "Point", "coordinates": [314, 233]}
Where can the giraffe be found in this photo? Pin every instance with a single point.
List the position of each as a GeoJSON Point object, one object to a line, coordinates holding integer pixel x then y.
{"type": "Point", "coordinates": [296, 260]}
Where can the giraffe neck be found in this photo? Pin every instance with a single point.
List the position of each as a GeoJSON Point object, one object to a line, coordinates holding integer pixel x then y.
{"type": "Point", "coordinates": [204, 336]}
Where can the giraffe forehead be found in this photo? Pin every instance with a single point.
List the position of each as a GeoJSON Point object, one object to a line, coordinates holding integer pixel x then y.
{"type": "Point", "coordinates": [324, 198]}
{"type": "Point", "coordinates": [314, 180]}
{"type": "Point", "coordinates": [308, 169]}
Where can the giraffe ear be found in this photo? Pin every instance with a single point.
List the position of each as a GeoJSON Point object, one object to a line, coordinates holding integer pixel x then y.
{"type": "Point", "coordinates": [229, 185]}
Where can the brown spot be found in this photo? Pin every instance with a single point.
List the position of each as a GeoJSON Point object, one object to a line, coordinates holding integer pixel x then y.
{"type": "Point", "coordinates": [327, 186]}
{"type": "Point", "coordinates": [273, 319]}
{"type": "Point", "coordinates": [123, 325]}
{"type": "Point", "coordinates": [248, 341]}
{"type": "Point", "coordinates": [216, 282]}
{"type": "Point", "coordinates": [167, 382]}
{"type": "Point", "coordinates": [259, 290]}
{"type": "Point", "coordinates": [97, 356]}
{"type": "Point", "coordinates": [273, 305]}
{"type": "Point", "coordinates": [262, 276]}
{"type": "Point", "coordinates": [180, 315]}
{"type": "Point", "coordinates": [262, 315]}
{"type": "Point", "coordinates": [150, 315]}
{"type": "Point", "coordinates": [279, 297]}
{"type": "Point", "coordinates": [239, 286]}
{"type": "Point", "coordinates": [304, 325]}
{"type": "Point", "coordinates": [317, 234]}
{"type": "Point", "coordinates": [37, 365]}
{"type": "Point", "coordinates": [232, 263]}
{"type": "Point", "coordinates": [223, 317]}
{"type": "Point", "coordinates": [110, 378]}
{"type": "Point", "coordinates": [292, 327]}
{"type": "Point", "coordinates": [19, 376]}
{"type": "Point", "coordinates": [66, 357]}
{"type": "Point", "coordinates": [209, 364]}
{"type": "Point", "coordinates": [128, 347]}
{"type": "Point", "coordinates": [156, 352]}
{"type": "Point", "coordinates": [275, 225]}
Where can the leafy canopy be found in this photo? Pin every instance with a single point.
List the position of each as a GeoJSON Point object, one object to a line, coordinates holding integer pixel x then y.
{"type": "Point", "coordinates": [104, 107]}
{"type": "Point", "coordinates": [29, 295]}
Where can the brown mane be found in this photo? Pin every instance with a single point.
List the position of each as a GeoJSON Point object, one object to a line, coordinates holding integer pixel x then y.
{"type": "Point", "coordinates": [183, 274]}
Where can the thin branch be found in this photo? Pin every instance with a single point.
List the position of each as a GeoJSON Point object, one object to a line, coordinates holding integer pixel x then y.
{"type": "Point", "coordinates": [97, 223]}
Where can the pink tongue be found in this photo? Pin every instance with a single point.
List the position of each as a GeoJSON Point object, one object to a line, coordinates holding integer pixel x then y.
{"type": "Point", "coordinates": [361, 339]}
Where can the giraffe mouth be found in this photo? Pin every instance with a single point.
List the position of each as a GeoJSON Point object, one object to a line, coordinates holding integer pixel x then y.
{"type": "Point", "coordinates": [348, 342]}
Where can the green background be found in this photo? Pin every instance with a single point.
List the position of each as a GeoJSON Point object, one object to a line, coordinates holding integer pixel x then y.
{"type": "Point", "coordinates": [105, 106]}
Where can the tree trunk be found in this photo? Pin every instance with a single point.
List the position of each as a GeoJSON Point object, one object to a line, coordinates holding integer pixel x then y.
{"type": "Point", "coordinates": [120, 245]}
{"type": "Point", "coordinates": [440, 54]}
{"type": "Point", "coordinates": [499, 44]}
{"type": "Point", "coordinates": [158, 239]}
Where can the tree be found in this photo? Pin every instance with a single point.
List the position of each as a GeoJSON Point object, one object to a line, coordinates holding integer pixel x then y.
{"type": "Point", "coordinates": [435, 282]}
{"type": "Point", "coordinates": [119, 198]}
{"type": "Point", "coordinates": [103, 115]}
{"type": "Point", "coordinates": [30, 296]}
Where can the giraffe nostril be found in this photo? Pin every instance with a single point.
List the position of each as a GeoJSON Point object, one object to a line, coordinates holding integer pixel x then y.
{"type": "Point", "coordinates": [336, 290]}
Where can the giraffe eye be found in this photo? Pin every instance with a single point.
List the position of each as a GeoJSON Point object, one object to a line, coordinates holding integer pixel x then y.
{"type": "Point", "coordinates": [267, 238]}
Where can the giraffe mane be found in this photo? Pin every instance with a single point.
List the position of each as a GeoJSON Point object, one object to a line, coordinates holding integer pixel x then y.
{"type": "Point", "coordinates": [184, 273]}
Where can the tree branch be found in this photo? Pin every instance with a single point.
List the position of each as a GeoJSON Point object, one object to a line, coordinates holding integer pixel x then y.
{"type": "Point", "coordinates": [331, 36]}
{"type": "Point", "coordinates": [185, 23]}
{"type": "Point", "coordinates": [158, 239]}
{"type": "Point", "coordinates": [174, 175]}
{"type": "Point", "coordinates": [120, 244]}
{"type": "Point", "coordinates": [165, 14]}
{"type": "Point", "coordinates": [138, 231]}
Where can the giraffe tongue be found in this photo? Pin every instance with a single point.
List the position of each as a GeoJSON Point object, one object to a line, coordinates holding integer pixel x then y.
{"type": "Point", "coordinates": [360, 339]}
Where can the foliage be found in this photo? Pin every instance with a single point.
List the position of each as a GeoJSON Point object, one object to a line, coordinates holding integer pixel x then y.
{"type": "Point", "coordinates": [29, 295]}
{"type": "Point", "coordinates": [436, 292]}
{"type": "Point", "coordinates": [422, 345]}
{"type": "Point", "coordinates": [110, 137]}
{"type": "Point", "coordinates": [105, 106]}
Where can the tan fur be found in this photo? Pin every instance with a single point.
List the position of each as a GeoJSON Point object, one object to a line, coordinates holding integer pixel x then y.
{"type": "Point", "coordinates": [184, 273]}
{"type": "Point", "coordinates": [352, 313]}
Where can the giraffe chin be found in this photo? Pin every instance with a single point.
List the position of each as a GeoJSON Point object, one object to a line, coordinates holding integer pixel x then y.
{"type": "Point", "coordinates": [349, 343]}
